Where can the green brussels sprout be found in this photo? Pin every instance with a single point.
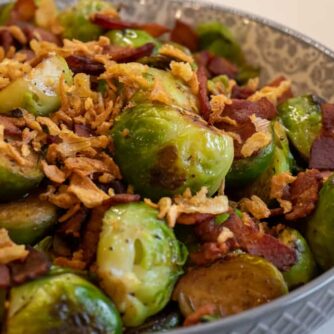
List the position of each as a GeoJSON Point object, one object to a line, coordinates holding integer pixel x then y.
{"type": "Point", "coordinates": [176, 91]}
{"type": "Point", "coordinates": [301, 117]}
{"type": "Point", "coordinates": [320, 227]}
{"type": "Point", "coordinates": [219, 84]}
{"type": "Point", "coordinates": [168, 150]}
{"type": "Point", "coordinates": [233, 285]}
{"type": "Point", "coordinates": [305, 268]}
{"type": "Point", "coordinates": [37, 91]}
{"type": "Point", "coordinates": [61, 304]}
{"type": "Point", "coordinates": [5, 11]}
{"type": "Point", "coordinates": [218, 39]}
{"type": "Point", "coordinates": [17, 180]}
{"type": "Point", "coordinates": [247, 170]}
{"type": "Point", "coordinates": [27, 220]}
{"type": "Point", "coordinates": [138, 261]}
{"type": "Point", "coordinates": [131, 37]}
{"type": "Point", "coordinates": [76, 20]}
{"type": "Point", "coordinates": [161, 322]}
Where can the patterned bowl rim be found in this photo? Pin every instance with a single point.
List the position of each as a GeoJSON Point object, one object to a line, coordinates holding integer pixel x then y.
{"type": "Point", "coordinates": [319, 282]}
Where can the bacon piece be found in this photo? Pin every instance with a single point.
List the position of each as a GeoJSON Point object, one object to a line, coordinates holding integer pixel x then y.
{"type": "Point", "coordinates": [193, 218]}
{"type": "Point", "coordinates": [127, 55]}
{"type": "Point", "coordinates": [121, 199]}
{"type": "Point", "coordinates": [4, 277]}
{"type": "Point", "coordinates": [184, 34]}
{"type": "Point", "coordinates": [250, 239]}
{"type": "Point", "coordinates": [6, 40]}
{"type": "Point", "coordinates": [327, 110]}
{"type": "Point", "coordinates": [82, 130]}
{"type": "Point", "coordinates": [322, 153]}
{"type": "Point", "coordinates": [35, 265]}
{"type": "Point", "coordinates": [287, 94]}
{"type": "Point", "coordinates": [304, 194]}
{"type": "Point", "coordinates": [239, 92]}
{"type": "Point", "coordinates": [219, 65]}
{"type": "Point", "coordinates": [10, 128]}
{"type": "Point", "coordinates": [106, 22]}
{"type": "Point", "coordinates": [82, 64]}
{"type": "Point", "coordinates": [202, 77]}
{"type": "Point", "coordinates": [196, 317]}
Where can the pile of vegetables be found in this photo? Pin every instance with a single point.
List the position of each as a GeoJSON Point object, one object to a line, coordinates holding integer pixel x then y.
{"type": "Point", "coordinates": [148, 183]}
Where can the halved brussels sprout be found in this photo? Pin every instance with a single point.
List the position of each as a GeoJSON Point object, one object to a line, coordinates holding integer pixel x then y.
{"type": "Point", "coordinates": [320, 227]}
{"type": "Point", "coordinates": [5, 11]}
{"type": "Point", "coordinates": [166, 150]}
{"type": "Point", "coordinates": [65, 304]}
{"type": "Point", "coordinates": [17, 180]}
{"type": "Point", "coordinates": [305, 268]}
{"type": "Point", "coordinates": [301, 116]}
{"type": "Point", "coordinates": [131, 37]}
{"type": "Point", "coordinates": [27, 220]}
{"type": "Point", "coordinates": [175, 91]}
{"type": "Point", "coordinates": [76, 20]}
{"type": "Point", "coordinates": [247, 170]}
{"type": "Point", "coordinates": [235, 284]}
{"type": "Point", "coordinates": [138, 261]}
{"type": "Point", "coordinates": [37, 91]}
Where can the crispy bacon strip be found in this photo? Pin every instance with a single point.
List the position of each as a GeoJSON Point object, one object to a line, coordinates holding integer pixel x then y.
{"type": "Point", "coordinates": [121, 199]}
{"type": "Point", "coordinates": [250, 239]}
{"type": "Point", "coordinates": [304, 194]}
{"type": "Point", "coordinates": [241, 93]}
{"type": "Point", "coordinates": [10, 128]}
{"type": "Point", "coordinates": [6, 40]}
{"type": "Point", "coordinates": [202, 61]}
{"type": "Point", "coordinates": [82, 64]}
{"type": "Point", "coordinates": [35, 265]}
{"type": "Point", "coordinates": [106, 22]}
{"type": "Point", "coordinates": [127, 55]}
{"type": "Point", "coordinates": [184, 34]}
{"type": "Point", "coordinates": [219, 65]}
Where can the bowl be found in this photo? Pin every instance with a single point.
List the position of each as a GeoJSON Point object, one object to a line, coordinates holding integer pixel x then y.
{"type": "Point", "coordinates": [277, 50]}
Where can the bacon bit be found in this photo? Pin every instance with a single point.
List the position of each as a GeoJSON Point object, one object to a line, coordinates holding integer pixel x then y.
{"type": "Point", "coordinates": [86, 190]}
{"type": "Point", "coordinates": [53, 173]}
{"type": "Point", "coordinates": [195, 318]}
{"type": "Point", "coordinates": [9, 251]}
{"type": "Point", "coordinates": [273, 94]}
{"type": "Point", "coordinates": [287, 94]}
{"type": "Point", "coordinates": [110, 23]}
{"type": "Point", "coordinates": [4, 277]}
{"type": "Point", "coordinates": [82, 130]}
{"type": "Point", "coordinates": [128, 55]}
{"type": "Point", "coordinates": [172, 51]}
{"type": "Point", "coordinates": [242, 93]}
{"type": "Point", "coordinates": [255, 206]}
{"type": "Point", "coordinates": [327, 110]}
{"type": "Point", "coordinates": [205, 108]}
{"type": "Point", "coordinates": [279, 184]}
{"type": "Point", "coordinates": [10, 129]}
{"type": "Point", "coordinates": [304, 194]}
{"type": "Point", "coordinates": [83, 64]}
{"type": "Point", "coordinates": [256, 142]}
{"type": "Point", "coordinates": [36, 264]}
{"type": "Point", "coordinates": [221, 66]}
{"type": "Point", "coordinates": [121, 199]}
{"type": "Point", "coordinates": [193, 218]}
{"type": "Point", "coordinates": [184, 34]}
{"type": "Point", "coordinates": [6, 40]}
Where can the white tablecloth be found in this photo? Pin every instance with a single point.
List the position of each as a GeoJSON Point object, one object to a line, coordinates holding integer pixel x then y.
{"type": "Point", "coordinates": [313, 18]}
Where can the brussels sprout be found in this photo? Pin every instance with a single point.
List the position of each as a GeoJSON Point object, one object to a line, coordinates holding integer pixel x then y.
{"type": "Point", "coordinates": [174, 90]}
{"type": "Point", "coordinates": [320, 227]}
{"type": "Point", "coordinates": [28, 220]}
{"type": "Point", "coordinates": [305, 268]}
{"type": "Point", "coordinates": [131, 37]}
{"type": "Point", "coordinates": [138, 261]}
{"type": "Point", "coordinates": [37, 91]}
{"type": "Point", "coordinates": [168, 150]}
{"type": "Point", "coordinates": [301, 116]}
{"type": "Point", "coordinates": [61, 304]}
{"type": "Point", "coordinates": [217, 38]}
{"type": "Point", "coordinates": [5, 11]}
{"type": "Point", "coordinates": [76, 20]}
{"type": "Point", "coordinates": [235, 284]}
{"type": "Point", "coordinates": [247, 170]}
{"type": "Point", "coordinates": [17, 180]}
{"type": "Point", "coordinates": [162, 322]}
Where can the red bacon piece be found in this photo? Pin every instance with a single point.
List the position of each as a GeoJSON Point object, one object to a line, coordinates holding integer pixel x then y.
{"type": "Point", "coordinates": [9, 126]}
{"type": "Point", "coordinates": [121, 199]}
{"type": "Point", "coordinates": [82, 64]}
{"type": "Point", "coordinates": [219, 65]}
{"type": "Point", "coordinates": [126, 55]}
{"type": "Point", "coordinates": [184, 34]}
{"type": "Point", "coordinates": [106, 22]}
{"type": "Point", "coordinates": [4, 277]}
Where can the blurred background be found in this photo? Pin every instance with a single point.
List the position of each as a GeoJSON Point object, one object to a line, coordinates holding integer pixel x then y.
{"type": "Point", "coordinates": [312, 18]}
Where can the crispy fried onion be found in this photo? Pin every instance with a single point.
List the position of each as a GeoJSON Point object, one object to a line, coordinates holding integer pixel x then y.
{"type": "Point", "coordinates": [10, 251]}
{"type": "Point", "coordinates": [172, 209]}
